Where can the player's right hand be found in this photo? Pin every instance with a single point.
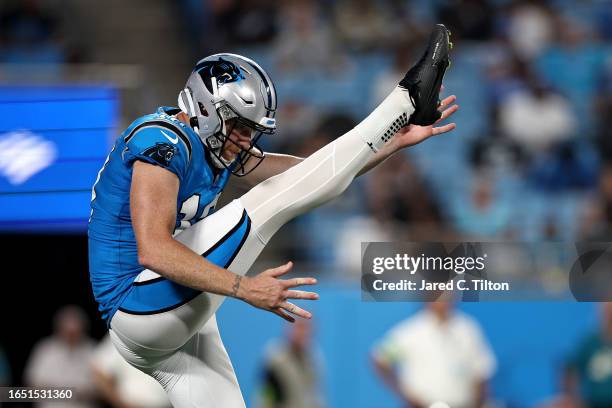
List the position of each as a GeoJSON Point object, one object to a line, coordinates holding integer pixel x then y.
{"type": "Point", "coordinates": [268, 292]}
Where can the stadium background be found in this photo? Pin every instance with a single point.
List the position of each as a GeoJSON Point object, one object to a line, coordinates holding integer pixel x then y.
{"type": "Point", "coordinates": [74, 73]}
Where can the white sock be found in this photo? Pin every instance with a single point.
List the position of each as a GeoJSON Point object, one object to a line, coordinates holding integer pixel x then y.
{"type": "Point", "coordinates": [389, 117]}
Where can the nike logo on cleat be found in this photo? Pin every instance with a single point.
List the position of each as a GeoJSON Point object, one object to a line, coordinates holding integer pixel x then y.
{"type": "Point", "coordinates": [435, 51]}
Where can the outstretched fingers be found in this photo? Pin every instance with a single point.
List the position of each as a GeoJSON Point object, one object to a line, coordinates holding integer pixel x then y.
{"type": "Point", "coordinates": [281, 270]}
{"type": "Point", "coordinates": [438, 130]}
{"type": "Point", "coordinates": [447, 112]}
{"type": "Point", "coordinates": [287, 306]}
{"type": "Point", "coordinates": [284, 315]}
{"type": "Point", "coordinates": [296, 310]}
{"type": "Point", "coordinates": [446, 102]}
{"type": "Point", "coordinates": [292, 283]}
{"type": "Point", "coordinates": [301, 294]}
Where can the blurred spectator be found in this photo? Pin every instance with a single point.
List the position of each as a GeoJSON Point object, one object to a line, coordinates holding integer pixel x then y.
{"type": "Point", "coordinates": [253, 22]}
{"type": "Point", "coordinates": [529, 27]}
{"type": "Point", "coordinates": [468, 19]}
{"type": "Point", "coordinates": [305, 42]}
{"type": "Point", "coordinates": [364, 24]}
{"type": "Point", "coordinates": [437, 355]}
{"type": "Point", "coordinates": [392, 190]}
{"type": "Point", "coordinates": [603, 16]}
{"type": "Point", "coordinates": [603, 109]}
{"type": "Point", "coordinates": [388, 78]}
{"type": "Point", "coordinates": [484, 214]}
{"type": "Point", "coordinates": [123, 386]}
{"type": "Point", "coordinates": [29, 32]}
{"type": "Point", "coordinates": [64, 360]}
{"type": "Point", "coordinates": [246, 22]}
{"type": "Point", "coordinates": [568, 166]}
{"type": "Point", "coordinates": [506, 73]}
{"type": "Point", "coordinates": [597, 216]}
{"type": "Point", "coordinates": [219, 25]}
{"type": "Point", "coordinates": [589, 373]}
{"type": "Point", "coordinates": [299, 121]}
{"type": "Point", "coordinates": [292, 371]}
{"type": "Point", "coordinates": [354, 231]}
{"type": "Point", "coordinates": [544, 125]}
{"type": "Point", "coordinates": [573, 65]}
{"type": "Point", "coordinates": [536, 117]}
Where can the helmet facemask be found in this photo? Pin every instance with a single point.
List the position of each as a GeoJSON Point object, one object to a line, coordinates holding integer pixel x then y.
{"type": "Point", "coordinates": [222, 142]}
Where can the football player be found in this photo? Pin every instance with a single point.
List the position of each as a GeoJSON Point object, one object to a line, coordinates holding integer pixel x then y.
{"type": "Point", "coordinates": [162, 260]}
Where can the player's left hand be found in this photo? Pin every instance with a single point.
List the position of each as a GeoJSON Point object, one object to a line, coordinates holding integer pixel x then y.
{"type": "Point", "coordinates": [269, 292]}
{"type": "Point", "coordinates": [415, 134]}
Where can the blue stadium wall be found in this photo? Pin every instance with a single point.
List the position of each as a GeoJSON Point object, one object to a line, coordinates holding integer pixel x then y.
{"type": "Point", "coordinates": [531, 342]}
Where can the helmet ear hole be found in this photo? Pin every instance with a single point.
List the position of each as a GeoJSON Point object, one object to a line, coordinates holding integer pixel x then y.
{"type": "Point", "coordinates": [203, 110]}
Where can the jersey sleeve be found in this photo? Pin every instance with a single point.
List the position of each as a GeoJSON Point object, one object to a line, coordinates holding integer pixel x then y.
{"type": "Point", "coordinates": [160, 146]}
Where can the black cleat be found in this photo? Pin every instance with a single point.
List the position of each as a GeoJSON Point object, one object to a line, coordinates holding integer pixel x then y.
{"type": "Point", "coordinates": [424, 79]}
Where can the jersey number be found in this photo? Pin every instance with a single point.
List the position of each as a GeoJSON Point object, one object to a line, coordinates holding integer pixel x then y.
{"type": "Point", "coordinates": [189, 209]}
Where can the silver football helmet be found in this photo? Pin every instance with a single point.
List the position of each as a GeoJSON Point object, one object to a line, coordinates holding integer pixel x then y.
{"type": "Point", "coordinates": [226, 92]}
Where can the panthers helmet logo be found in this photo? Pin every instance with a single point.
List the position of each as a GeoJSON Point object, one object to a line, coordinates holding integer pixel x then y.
{"type": "Point", "coordinates": [224, 71]}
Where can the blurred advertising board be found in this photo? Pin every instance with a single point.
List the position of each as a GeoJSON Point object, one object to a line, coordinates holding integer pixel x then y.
{"type": "Point", "coordinates": [53, 141]}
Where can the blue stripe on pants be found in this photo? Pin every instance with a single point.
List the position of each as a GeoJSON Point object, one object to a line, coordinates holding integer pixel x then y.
{"type": "Point", "coordinates": [160, 294]}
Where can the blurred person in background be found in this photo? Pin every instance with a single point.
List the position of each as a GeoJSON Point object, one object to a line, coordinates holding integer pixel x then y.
{"type": "Point", "coordinates": [250, 22]}
{"type": "Point", "coordinates": [597, 214]}
{"type": "Point", "coordinates": [529, 26]}
{"type": "Point", "coordinates": [573, 65]}
{"type": "Point", "coordinates": [363, 24]}
{"type": "Point", "coordinates": [42, 32]}
{"type": "Point", "coordinates": [387, 78]}
{"type": "Point", "coordinates": [468, 19]}
{"type": "Point", "coordinates": [394, 206]}
{"type": "Point", "coordinates": [302, 120]}
{"type": "Point", "coordinates": [64, 360]}
{"type": "Point", "coordinates": [588, 378]}
{"type": "Point", "coordinates": [120, 384]}
{"type": "Point", "coordinates": [603, 107]}
{"type": "Point", "coordinates": [292, 371]}
{"type": "Point", "coordinates": [29, 32]}
{"type": "Point", "coordinates": [536, 117]}
{"type": "Point", "coordinates": [544, 125]}
{"type": "Point", "coordinates": [483, 214]}
{"type": "Point", "coordinates": [305, 43]}
{"type": "Point", "coordinates": [437, 355]}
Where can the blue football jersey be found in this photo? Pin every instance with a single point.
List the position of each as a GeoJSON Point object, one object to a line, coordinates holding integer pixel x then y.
{"type": "Point", "coordinates": [162, 140]}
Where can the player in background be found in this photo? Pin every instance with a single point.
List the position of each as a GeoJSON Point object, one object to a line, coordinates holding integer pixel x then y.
{"type": "Point", "coordinates": [161, 261]}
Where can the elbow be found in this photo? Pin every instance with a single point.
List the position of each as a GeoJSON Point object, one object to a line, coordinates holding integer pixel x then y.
{"type": "Point", "coordinates": [145, 260]}
{"type": "Point", "coordinates": [149, 255]}
{"type": "Point", "coordinates": [152, 245]}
